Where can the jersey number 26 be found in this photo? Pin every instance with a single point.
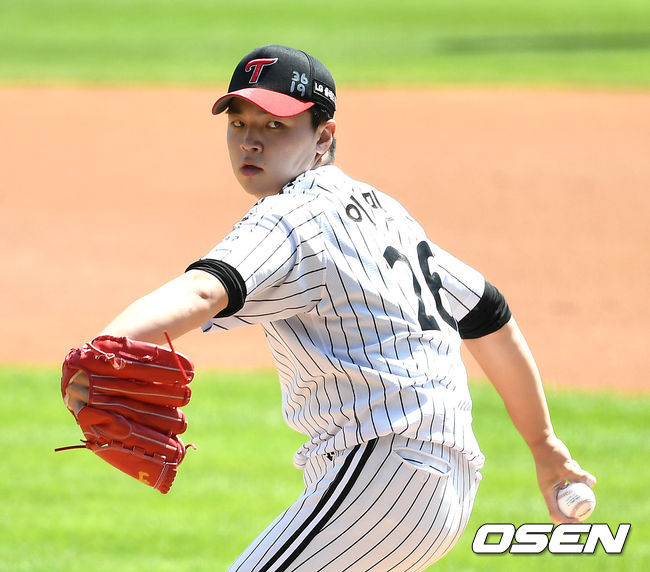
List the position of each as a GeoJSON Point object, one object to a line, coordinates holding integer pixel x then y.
{"type": "Point", "coordinates": [432, 281]}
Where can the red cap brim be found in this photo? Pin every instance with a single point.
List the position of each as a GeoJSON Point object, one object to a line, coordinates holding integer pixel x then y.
{"type": "Point", "coordinates": [272, 102]}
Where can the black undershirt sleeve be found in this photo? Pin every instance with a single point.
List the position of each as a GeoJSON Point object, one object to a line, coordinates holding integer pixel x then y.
{"type": "Point", "coordinates": [230, 278]}
{"type": "Point", "coordinates": [490, 314]}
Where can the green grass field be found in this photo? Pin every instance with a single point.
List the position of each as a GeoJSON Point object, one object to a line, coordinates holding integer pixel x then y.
{"type": "Point", "coordinates": [364, 42]}
{"type": "Point", "coordinates": [70, 511]}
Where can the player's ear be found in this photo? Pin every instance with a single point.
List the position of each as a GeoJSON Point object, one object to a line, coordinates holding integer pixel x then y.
{"type": "Point", "coordinates": [325, 136]}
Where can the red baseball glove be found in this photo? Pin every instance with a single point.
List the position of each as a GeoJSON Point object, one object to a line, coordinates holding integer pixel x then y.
{"type": "Point", "coordinates": [132, 419]}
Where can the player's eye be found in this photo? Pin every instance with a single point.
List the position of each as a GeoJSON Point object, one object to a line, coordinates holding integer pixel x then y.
{"type": "Point", "coordinates": [237, 123]}
{"type": "Point", "coordinates": [274, 124]}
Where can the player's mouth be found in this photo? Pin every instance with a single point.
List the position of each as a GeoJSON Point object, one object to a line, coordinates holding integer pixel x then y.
{"type": "Point", "coordinates": [250, 170]}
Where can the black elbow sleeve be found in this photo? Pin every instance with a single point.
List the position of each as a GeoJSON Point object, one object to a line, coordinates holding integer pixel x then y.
{"type": "Point", "coordinates": [490, 314]}
{"type": "Point", "coordinates": [230, 278]}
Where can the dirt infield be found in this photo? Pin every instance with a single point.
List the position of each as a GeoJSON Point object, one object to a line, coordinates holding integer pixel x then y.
{"type": "Point", "coordinates": [105, 194]}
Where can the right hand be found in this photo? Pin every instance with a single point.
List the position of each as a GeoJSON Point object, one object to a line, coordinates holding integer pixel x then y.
{"type": "Point", "coordinates": [554, 468]}
{"type": "Point", "coordinates": [76, 394]}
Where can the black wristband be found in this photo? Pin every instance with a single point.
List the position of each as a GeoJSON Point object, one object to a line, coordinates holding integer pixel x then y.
{"type": "Point", "coordinates": [490, 314]}
{"type": "Point", "coordinates": [230, 278]}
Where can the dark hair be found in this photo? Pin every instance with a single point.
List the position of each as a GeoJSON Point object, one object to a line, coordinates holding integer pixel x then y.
{"type": "Point", "coordinates": [320, 115]}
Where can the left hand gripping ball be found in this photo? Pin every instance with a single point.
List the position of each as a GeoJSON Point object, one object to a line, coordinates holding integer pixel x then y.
{"type": "Point", "coordinates": [576, 500]}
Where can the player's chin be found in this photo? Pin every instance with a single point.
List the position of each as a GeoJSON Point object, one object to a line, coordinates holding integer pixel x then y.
{"type": "Point", "coordinates": [251, 186]}
{"type": "Point", "coordinates": [259, 187]}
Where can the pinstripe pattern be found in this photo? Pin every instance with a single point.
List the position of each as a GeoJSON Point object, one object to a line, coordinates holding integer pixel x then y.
{"type": "Point", "coordinates": [342, 324]}
{"type": "Point", "coordinates": [394, 504]}
{"type": "Point", "coordinates": [361, 313]}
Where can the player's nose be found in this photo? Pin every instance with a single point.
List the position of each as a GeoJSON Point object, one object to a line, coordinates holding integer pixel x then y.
{"type": "Point", "coordinates": [251, 141]}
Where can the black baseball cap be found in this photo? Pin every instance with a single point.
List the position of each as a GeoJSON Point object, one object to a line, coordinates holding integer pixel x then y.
{"type": "Point", "coordinates": [282, 81]}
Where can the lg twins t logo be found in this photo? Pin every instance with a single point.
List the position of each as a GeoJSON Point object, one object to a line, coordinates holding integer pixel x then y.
{"type": "Point", "coordinates": [257, 66]}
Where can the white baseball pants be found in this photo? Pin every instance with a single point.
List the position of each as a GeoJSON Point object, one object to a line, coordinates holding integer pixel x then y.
{"type": "Point", "coordinates": [392, 504]}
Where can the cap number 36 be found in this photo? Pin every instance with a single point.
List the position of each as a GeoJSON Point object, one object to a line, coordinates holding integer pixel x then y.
{"type": "Point", "coordinates": [298, 83]}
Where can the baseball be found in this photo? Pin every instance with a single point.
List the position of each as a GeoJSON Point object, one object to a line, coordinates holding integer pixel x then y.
{"type": "Point", "coordinates": [576, 500]}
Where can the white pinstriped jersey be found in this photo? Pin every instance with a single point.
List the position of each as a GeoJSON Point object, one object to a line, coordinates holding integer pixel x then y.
{"type": "Point", "coordinates": [360, 310]}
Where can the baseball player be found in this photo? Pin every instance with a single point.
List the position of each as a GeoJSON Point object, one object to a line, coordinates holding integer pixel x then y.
{"type": "Point", "coordinates": [365, 317]}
